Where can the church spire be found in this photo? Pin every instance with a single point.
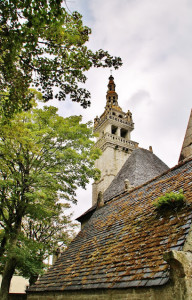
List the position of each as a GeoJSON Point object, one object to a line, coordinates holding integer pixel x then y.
{"type": "Point", "coordinates": [186, 151]}
{"type": "Point", "coordinates": [112, 97]}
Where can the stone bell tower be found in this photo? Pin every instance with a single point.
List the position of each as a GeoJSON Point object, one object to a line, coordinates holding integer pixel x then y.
{"type": "Point", "coordinates": [114, 139]}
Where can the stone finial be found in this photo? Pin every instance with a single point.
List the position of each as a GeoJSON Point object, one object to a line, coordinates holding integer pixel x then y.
{"type": "Point", "coordinates": [96, 121]}
{"type": "Point", "coordinates": [56, 255]}
{"type": "Point", "coordinates": [128, 186]}
{"type": "Point", "coordinates": [150, 149]}
{"type": "Point", "coordinates": [100, 200]}
{"type": "Point", "coordinates": [186, 151]}
{"type": "Point", "coordinates": [129, 116]}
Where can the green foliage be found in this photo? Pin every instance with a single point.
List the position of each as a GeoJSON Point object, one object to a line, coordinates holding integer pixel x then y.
{"type": "Point", "coordinates": [44, 158]}
{"type": "Point", "coordinates": [44, 46]}
{"type": "Point", "coordinates": [172, 200]}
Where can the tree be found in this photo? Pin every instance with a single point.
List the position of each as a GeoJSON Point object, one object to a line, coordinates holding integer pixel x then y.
{"type": "Point", "coordinates": [42, 44]}
{"type": "Point", "coordinates": [44, 158]}
{"type": "Point", "coordinates": [42, 237]}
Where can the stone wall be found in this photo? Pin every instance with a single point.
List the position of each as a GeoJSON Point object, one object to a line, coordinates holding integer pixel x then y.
{"type": "Point", "coordinates": [156, 293]}
{"type": "Point", "coordinates": [109, 164]}
{"type": "Point", "coordinates": [179, 286]}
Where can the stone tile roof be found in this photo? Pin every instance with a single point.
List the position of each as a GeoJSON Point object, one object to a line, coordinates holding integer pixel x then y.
{"type": "Point", "coordinates": [141, 166]}
{"type": "Point", "coordinates": [123, 243]}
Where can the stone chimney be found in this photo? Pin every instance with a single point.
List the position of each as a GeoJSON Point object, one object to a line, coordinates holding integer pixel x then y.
{"type": "Point", "coordinates": [186, 151]}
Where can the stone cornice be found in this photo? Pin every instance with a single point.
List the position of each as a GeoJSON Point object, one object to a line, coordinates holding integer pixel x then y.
{"type": "Point", "coordinates": [113, 140]}
{"type": "Point", "coordinates": [114, 120]}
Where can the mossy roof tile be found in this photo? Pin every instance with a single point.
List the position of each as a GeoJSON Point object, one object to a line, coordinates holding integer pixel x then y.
{"type": "Point", "coordinates": [123, 243]}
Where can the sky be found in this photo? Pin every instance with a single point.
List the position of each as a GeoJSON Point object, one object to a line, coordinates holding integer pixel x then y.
{"type": "Point", "coordinates": [154, 40]}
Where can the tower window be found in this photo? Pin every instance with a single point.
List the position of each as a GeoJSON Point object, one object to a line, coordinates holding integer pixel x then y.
{"type": "Point", "coordinates": [124, 133]}
{"type": "Point", "coordinates": [114, 129]}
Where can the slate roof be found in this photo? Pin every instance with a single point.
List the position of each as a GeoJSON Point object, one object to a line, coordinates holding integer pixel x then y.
{"type": "Point", "coordinates": [141, 166]}
{"type": "Point", "coordinates": [123, 243]}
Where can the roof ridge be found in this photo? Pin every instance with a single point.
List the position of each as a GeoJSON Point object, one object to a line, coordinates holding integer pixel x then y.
{"type": "Point", "coordinates": [151, 180]}
{"type": "Point", "coordinates": [181, 163]}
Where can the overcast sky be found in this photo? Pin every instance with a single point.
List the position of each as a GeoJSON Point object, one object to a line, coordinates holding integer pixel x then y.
{"type": "Point", "coordinates": [154, 40]}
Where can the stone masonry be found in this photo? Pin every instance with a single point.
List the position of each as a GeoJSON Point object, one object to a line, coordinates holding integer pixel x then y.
{"type": "Point", "coordinates": [186, 150]}
{"type": "Point", "coordinates": [114, 139]}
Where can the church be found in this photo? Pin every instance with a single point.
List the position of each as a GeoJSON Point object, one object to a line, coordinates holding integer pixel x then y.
{"type": "Point", "coordinates": [133, 245]}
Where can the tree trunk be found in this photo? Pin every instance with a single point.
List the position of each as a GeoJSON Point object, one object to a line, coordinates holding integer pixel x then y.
{"type": "Point", "coordinates": [6, 278]}
{"type": "Point", "coordinates": [2, 248]}
{"type": "Point", "coordinates": [11, 262]}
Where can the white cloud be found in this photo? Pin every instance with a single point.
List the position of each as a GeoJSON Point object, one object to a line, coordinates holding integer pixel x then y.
{"type": "Point", "coordinates": [154, 40]}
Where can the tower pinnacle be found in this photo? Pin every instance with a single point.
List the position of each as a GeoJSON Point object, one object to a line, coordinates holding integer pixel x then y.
{"type": "Point", "coordinates": [112, 97]}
